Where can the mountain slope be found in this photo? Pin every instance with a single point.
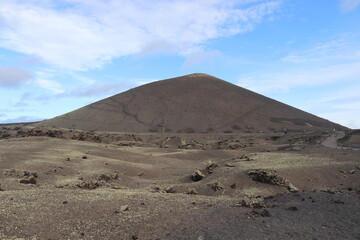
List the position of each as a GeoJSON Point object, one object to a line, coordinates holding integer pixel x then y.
{"type": "Point", "coordinates": [191, 103]}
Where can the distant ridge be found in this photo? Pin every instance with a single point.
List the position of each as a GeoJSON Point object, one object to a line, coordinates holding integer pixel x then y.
{"type": "Point", "coordinates": [193, 103]}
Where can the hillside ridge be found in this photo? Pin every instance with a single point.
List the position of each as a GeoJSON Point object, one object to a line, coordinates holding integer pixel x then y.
{"type": "Point", "coordinates": [196, 102]}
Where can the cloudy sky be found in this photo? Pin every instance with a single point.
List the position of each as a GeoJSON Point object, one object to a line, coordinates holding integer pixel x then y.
{"type": "Point", "coordinates": [59, 55]}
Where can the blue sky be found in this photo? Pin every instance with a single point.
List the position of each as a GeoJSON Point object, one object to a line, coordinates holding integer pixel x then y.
{"type": "Point", "coordinates": [57, 56]}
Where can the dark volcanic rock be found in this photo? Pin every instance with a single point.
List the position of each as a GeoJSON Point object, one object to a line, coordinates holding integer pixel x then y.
{"type": "Point", "coordinates": [30, 180]}
{"type": "Point", "coordinates": [197, 175]}
{"type": "Point", "coordinates": [271, 177]}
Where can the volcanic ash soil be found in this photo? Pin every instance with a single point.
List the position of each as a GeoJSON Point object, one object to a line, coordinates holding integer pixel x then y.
{"type": "Point", "coordinates": [72, 184]}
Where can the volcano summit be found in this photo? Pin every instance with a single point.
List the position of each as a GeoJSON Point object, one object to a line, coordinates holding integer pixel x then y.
{"type": "Point", "coordinates": [195, 103]}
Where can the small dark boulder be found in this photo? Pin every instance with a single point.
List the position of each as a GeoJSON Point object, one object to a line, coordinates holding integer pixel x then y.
{"type": "Point", "coordinates": [30, 180]}
{"type": "Point", "coordinates": [197, 176]}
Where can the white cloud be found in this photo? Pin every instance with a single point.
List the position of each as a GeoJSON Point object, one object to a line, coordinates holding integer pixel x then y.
{"type": "Point", "coordinates": [334, 60]}
{"type": "Point", "coordinates": [201, 56]}
{"type": "Point", "coordinates": [340, 105]}
{"type": "Point", "coordinates": [343, 94]}
{"type": "Point", "coordinates": [143, 81]}
{"type": "Point", "coordinates": [49, 85]}
{"type": "Point", "coordinates": [82, 79]}
{"type": "Point", "coordinates": [346, 118]}
{"type": "Point", "coordinates": [301, 77]}
{"type": "Point", "coordinates": [93, 90]}
{"type": "Point", "coordinates": [13, 76]}
{"type": "Point", "coordinates": [343, 47]}
{"type": "Point", "coordinates": [349, 106]}
{"type": "Point", "coordinates": [21, 119]}
{"type": "Point", "coordinates": [349, 5]}
{"type": "Point", "coordinates": [315, 72]}
{"type": "Point", "coordinates": [79, 35]}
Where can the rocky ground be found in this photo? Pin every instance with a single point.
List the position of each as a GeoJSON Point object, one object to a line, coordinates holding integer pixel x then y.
{"type": "Point", "coordinates": [71, 184]}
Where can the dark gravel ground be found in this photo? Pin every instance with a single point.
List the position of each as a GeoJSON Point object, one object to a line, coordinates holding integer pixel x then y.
{"type": "Point", "coordinates": [44, 211]}
{"type": "Point", "coordinates": [305, 215]}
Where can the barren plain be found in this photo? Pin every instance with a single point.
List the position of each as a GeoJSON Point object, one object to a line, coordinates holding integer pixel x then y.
{"type": "Point", "coordinates": [73, 184]}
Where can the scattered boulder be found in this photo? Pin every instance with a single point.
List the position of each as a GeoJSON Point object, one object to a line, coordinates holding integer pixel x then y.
{"type": "Point", "coordinates": [29, 174]}
{"type": "Point", "coordinates": [115, 175]}
{"type": "Point", "coordinates": [104, 177]}
{"type": "Point", "coordinates": [262, 213]}
{"type": "Point", "coordinates": [246, 158]}
{"type": "Point", "coordinates": [211, 166]}
{"type": "Point", "coordinates": [155, 189]}
{"type": "Point", "coordinates": [54, 133]}
{"type": "Point", "coordinates": [216, 186]}
{"type": "Point", "coordinates": [265, 213]}
{"type": "Point", "coordinates": [197, 176]}
{"type": "Point", "coordinates": [266, 176]}
{"type": "Point", "coordinates": [229, 165]}
{"type": "Point", "coordinates": [252, 202]}
{"type": "Point", "coordinates": [275, 137]}
{"type": "Point", "coordinates": [30, 180]}
{"type": "Point", "coordinates": [89, 184]}
{"type": "Point", "coordinates": [292, 208]}
{"type": "Point", "coordinates": [192, 191]}
{"type": "Point", "coordinates": [35, 132]}
{"type": "Point", "coordinates": [233, 144]}
{"type": "Point", "coordinates": [124, 208]}
{"type": "Point", "coordinates": [291, 187]}
{"type": "Point", "coordinates": [115, 186]}
{"type": "Point", "coordinates": [351, 171]}
{"type": "Point", "coordinates": [337, 201]}
{"type": "Point", "coordinates": [172, 142]}
{"type": "Point", "coordinates": [296, 148]}
{"type": "Point", "coordinates": [18, 173]}
{"type": "Point", "coordinates": [271, 177]}
{"type": "Point", "coordinates": [52, 170]}
{"type": "Point", "coordinates": [193, 144]}
{"type": "Point", "coordinates": [169, 190]}
{"type": "Point", "coordinates": [328, 191]}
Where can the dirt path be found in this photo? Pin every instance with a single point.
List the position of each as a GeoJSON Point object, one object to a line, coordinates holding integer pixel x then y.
{"type": "Point", "coordinates": [331, 141]}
